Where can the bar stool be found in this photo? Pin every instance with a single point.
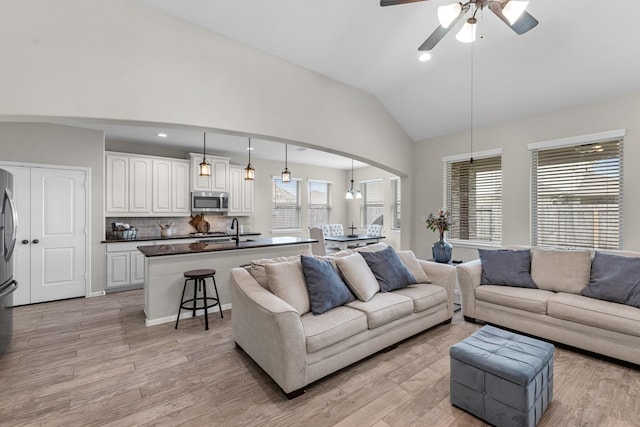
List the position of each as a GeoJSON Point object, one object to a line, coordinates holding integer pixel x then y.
{"type": "Point", "coordinates": [199, 284]}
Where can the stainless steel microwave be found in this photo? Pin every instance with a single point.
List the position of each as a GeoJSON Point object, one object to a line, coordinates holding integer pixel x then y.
{"type": "Point", "coordinates": [207, 201]}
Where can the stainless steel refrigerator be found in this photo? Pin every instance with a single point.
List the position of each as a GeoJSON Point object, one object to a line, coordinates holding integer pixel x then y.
{"type": "Point", "coordinates": [8, 225]}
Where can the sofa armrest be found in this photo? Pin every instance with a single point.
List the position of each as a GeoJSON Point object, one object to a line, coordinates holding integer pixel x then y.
{"type": "Point", "coordinates": [442, 275]}
{"type": "Point", "coordinates": [269, 330]}
{"type": "Point", "coordinates": [469, 275]}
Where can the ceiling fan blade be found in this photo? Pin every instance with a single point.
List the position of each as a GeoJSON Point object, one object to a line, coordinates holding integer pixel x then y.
{"type": "Point", "coordinates": [521, 26]}
{"type": "Point", "coordinates": [394, 2]}
{"type": "Point", "coordinates": [440, 32]}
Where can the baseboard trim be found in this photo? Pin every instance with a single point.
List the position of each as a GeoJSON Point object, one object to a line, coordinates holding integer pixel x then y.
{"type": "Point", "coordinates": [184, 315]}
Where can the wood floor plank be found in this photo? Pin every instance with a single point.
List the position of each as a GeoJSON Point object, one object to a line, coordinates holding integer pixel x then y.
{"type": "Point", "coordinates": [93, 362]}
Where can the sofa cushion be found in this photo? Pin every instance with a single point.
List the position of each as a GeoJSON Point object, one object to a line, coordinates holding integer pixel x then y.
{"type": "Point", "coordinates": [371, 248]}
{"type": "Point", "coordinates": [561, 270]}
{"type": "Point", "coordinates": [532, 300]}
{"type": "Point", "coordinates": [506, 267]}
{"type": "Point", "coordinates": [389, 271]}
{"type": "Point", "coordinates": [358, 276]}
{"type": "Point", "coordinates": [324, 285]}
{"type": "Point", "coordinates": [332, 326]}
{"type": "Point", "coordinates": [258, 267]}
{"type": "Point", "coordinates": [424, 296]}
{"type": "Point", "coordinates": [410, 261]}
{"type": "Point", "coordinates": [384, 308]}
{"type": "Point", "coordinates": [609, 316]}
{"type": "Point", "coordinates": [614, 278]}
{"type": "Point", "coordinates": [286, 281]}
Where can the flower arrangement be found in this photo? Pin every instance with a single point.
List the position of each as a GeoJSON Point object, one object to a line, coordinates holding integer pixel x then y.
{"type": "Point", "coordinates": [440, 222]}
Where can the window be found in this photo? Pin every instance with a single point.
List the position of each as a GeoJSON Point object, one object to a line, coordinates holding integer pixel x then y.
{"type": "Point", "coordinates": [576, 194]}
{"type": "Point", "coordinates": [473, 196]}
{"type": "Point", "coordinates": [285, 196]}
{"type": "Point", "coordinates": [395, 203]}
{"type": "Point", "coordinates": [373, 206]}
{"type": "Point", "coordinates": [319, 208]}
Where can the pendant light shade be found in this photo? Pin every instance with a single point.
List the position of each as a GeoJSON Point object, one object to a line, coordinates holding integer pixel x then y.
{"type": "Point", "coordinates": [249, 171]}
{"type": "Point", "coordinates": [352, 193]}
{"type": "Point", "coordinates": [205, 167]}
{"type": "Point", "coordinates": [286, 173]}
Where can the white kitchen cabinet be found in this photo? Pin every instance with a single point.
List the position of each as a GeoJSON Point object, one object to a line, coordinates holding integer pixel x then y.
{"type": "Point", "coordinates": [241, 192]}
{"type": "Point", "coordinates": [219, 179]}
{"type": "Point", "coordinates": [146, 185]}
{"type": "Point", "coordinates": [125, 265]}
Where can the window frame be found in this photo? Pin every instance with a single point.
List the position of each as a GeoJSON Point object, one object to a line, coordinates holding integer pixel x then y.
{"type": "Point", "coordinates": [395, 185]}
{"type": "Point", "coordinates": [328, 206]}
{"type": "Point", "coordinates": [448, 202]}
{"type": "Point", "coordinates": [298, 206]}
{"type": "Point", "coordinates": [615, 136]}
{"type": "Point", "coordinates": [364, 209]}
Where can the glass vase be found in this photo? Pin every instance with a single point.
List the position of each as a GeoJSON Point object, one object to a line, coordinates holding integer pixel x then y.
{"type": "Point", "coordinates": [441, 250]}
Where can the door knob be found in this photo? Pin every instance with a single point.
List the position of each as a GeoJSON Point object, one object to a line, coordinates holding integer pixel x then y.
{"type": "Point", "coordinates": [25, 242]}
{"type": "Point", "coordinates": [35, 241]}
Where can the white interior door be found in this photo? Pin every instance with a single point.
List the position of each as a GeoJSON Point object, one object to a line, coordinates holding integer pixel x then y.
{"type": "Point", "coordinates": [58, 234]}
{"type": "Point", "coordinates": [50, 256]}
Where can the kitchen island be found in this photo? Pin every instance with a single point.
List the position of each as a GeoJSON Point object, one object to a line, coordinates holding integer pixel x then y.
{"type": "Point", "coordinates": [166, 263]}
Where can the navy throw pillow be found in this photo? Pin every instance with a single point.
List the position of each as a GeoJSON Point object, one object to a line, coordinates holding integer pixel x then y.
{"type": "Point", "coordinates": [325, 286]}
{"type": "Point", "coordinates": [506, 267]}
{"type": "Point", "coordinates": [614, 278]}
{"type": "Point", "coordinates": [388, 269]}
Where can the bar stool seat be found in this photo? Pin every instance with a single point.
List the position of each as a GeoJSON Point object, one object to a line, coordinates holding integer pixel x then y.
{"type": "Point", "coordinates": [199, 302]}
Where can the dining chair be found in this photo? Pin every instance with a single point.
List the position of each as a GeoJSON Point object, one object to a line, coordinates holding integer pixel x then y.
{"type": "Point", "coordinates": [374, 230]}
{"type": "Point", "coordinates": [317, 248]}
{"type": "Point", "coordinates": [326, 230]}
{"type": "Point", "coordinates": [337, 230]}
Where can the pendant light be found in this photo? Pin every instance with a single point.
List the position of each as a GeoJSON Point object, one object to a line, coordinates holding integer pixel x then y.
{"type": "Point", "coordinates": [286, 173]}
{"type": "Point", "coordinates": [352, 192]}
{"type": "Point", "coordinates": [249, 171]}
{"type": "Point", "coordinates": [205, 167]}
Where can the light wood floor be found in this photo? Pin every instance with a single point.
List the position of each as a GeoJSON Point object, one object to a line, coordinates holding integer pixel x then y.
{"type": "Point", "coordinates": [92, 362]}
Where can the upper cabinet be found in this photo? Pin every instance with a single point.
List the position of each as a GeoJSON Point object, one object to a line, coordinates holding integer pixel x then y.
{"type": "Point", "coordinates": [146, 185]}
{"type": "Point", "coordinates": [241, 193]}
{"type": "Point", "coordinates": [219, 179]}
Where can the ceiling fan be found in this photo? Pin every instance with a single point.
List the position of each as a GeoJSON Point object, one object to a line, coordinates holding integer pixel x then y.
{"type": "Point", "coordinates": [511, 12]}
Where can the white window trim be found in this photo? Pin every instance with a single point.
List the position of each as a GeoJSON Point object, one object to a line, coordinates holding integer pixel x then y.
{"type": "Point", "coordinates": [476, 155]}
{"type": "Point", "coordinates": [289, 230]}
{"type": "Point", "coordinates": [577, 140]}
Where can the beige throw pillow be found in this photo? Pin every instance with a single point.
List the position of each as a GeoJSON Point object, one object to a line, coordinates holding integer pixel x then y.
{"type": "Point", "coordinates": [358, 276]}
{"type": "Point", "coordinates": [410, 261]}
{"type": "Point", "coordinates": [561, 270]}
{"type": "Point", "coordinates": [258, 266]}
{"type": "Point", "coordinates": [286, 281]}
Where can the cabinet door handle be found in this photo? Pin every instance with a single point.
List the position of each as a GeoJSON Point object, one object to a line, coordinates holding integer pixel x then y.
{"type": "Point", "coordinates": [35, 241]}
{"type": "Point", "coordinates": [25, 242]}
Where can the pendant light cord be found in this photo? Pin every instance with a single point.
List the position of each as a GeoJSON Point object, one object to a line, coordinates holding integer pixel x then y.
{"type": "Point", "coordinates": [471, 106]}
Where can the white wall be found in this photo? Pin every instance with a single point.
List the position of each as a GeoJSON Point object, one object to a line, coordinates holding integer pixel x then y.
{"type": "Point", "coordinates": [512, 138]}
{"type": "Point", "coordinates": [67, 146]}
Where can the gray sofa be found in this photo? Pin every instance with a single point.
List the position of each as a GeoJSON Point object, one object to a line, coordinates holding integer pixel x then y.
{"type": "Point", "coordinates": [556, 310]}
{"type": "Point", "coordinates": [296, 347]}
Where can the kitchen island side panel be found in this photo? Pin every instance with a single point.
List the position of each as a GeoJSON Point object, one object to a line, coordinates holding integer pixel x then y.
{"type": "Point", "coordinates": [164, 278]}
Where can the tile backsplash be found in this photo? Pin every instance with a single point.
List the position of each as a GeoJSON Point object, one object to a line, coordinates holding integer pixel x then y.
{"type": "Point", "coordinates": [148, 226]}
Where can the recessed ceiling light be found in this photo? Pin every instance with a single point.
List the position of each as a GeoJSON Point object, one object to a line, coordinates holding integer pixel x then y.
{"type": "Point", "coordinates": [424, 57]}
{"type": "Point", "coordinates": [162, 135]}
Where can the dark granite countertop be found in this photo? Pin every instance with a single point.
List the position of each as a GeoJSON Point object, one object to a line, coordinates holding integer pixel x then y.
{"type": "Point", "coordinates": [195, 248]}
{"type": "Point", "coordinates": [178, 236]}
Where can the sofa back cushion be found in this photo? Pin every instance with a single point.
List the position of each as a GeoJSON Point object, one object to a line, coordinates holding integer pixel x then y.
{"type": "Point", "coordinates": [410, 261]}
{"type": "Point", "coordinates": [286, 281]}
{"type": "Point", "coordinates": [561, 270]}
{"type": "Point", "coordinates": [506, 268]}
{"type": "Point", "coordinates": [358, 276]}
{"type": "Point", "coordinates": [615, 278]}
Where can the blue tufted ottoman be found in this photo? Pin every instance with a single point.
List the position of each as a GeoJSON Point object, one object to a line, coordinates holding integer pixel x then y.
{"type": "Point", "coordinates": [503, 378]}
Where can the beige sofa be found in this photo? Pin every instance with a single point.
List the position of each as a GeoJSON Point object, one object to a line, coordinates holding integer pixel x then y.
{"type": "Point", "coordinates": [297, 348]}
{"type": "Point", "coordinates": [556, 310]}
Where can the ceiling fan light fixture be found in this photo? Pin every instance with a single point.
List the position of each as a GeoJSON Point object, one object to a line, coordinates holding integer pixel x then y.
{"type": "Point", "coordinates": [447, 14]}
{"type": "Point", "coordinates": [467, 33]}
{"type": "Point", "coordinates": [514, 9]}
{"type": "Point", "coordinates": [424, 57]}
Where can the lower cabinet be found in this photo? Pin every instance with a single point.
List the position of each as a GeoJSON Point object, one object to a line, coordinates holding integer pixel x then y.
{"type": "Point", "coordinates": [125, 265]}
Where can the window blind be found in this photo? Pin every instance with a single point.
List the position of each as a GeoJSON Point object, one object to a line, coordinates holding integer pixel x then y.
{"type": "Point", "coordinates": [319, 206]}
{"type": "Point", "coordinates": [576, 196]}
{"type": "Point", "coordinates": [373, 193]}
{"type": "Point", "coordinates": [473, 197]}
{"type": "Point", "coordinates": [285, 213]}
{"type": "Point", "coordinates": [395, 203]}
